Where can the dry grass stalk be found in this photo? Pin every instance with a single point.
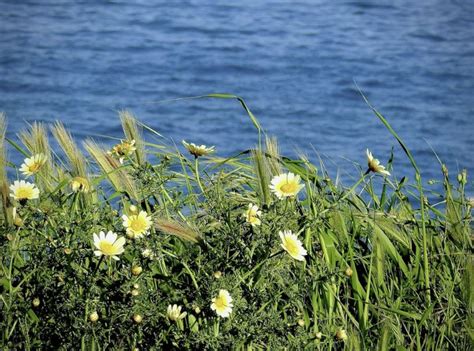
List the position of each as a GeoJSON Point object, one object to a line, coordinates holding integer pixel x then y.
{"type": "Point", "coordinates": [36, 141]}
{"type": "Point", "coordinates": [181, 230]}
{"type": "Point", "coordinates": [133, 132]}
{"type": "Point", "coordinates": [117, 175]}
{"type": "Point", "coordinates": [76, 159]}
{"type": "Point", "coordinates": [3, 173]}
{"type": "Point", "coordinates": [273, 155]}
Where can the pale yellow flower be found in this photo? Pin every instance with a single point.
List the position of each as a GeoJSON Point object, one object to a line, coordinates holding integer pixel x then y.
{"type": "Point", "coordinates": [222, 304]}
{"type": "Point", "coordinates": [252, 214]}
{"type": "Point", "coordinates": [33, 164]}
{"type": "Point", "coordinates": [291, 244]}
{"type": "Point", "coordinates": [174, 313]}
{"type": "Point", "coordinates": [198, 151]}
{"type": "Point", "coordinates": [79, 184]}
{"type": "Point", "coordinates": [108, 245]}
{"type": "Point", "coordinates": [137, 225]}
{"type": "Point", "coordinates": [123, 149]}
{"type": "Point", "coordinates": [374, 164]}
{"type": "Point", "coordinates": [21, 190]}
{"type": "Point", "coordinates": [286, 185]}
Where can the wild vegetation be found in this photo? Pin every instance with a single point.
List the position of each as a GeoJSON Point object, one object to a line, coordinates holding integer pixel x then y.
{"type": "Point", "coordinates": [147, 245]}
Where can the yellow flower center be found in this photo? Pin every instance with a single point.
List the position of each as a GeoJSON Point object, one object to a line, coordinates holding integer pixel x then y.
{"type": "Point", "coordinates": [34, 167]}
{"type": "Point", "coordinates": [107, 248]}
{"type": "Point", "coordinates": [373, 166]}
{"type": "Point", "coordinates": [24, 193]}
{"type": "Point", "coordinates": [288, 188]}
{"type": "Point", "coordinates": [291, 247]}
{"type": "Point", "coordinates": [79, 184]}
{"type": "Point", "coordinates": [123, 149]}
{"type": "Point", "coordinates": [220, 303]}
{"type": "Point", "coordinates": [250, 215]}
{"type": "Point", "coordinates": [137, 225]}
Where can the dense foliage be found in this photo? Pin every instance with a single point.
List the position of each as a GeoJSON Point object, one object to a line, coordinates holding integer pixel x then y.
{"type": "Point", "coordinates": [380, 265]}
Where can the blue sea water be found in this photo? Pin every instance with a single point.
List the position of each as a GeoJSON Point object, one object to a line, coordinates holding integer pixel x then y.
{"type": "Point", "coordinates": [294, 62]}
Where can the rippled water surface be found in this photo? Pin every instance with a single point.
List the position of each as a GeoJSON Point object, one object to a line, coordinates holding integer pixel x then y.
{"type": "Point", "coordinates": [295, 63]}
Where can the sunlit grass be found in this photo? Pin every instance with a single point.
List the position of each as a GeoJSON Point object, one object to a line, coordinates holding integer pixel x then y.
{"type": "Point", "coordinates": [253, 252]}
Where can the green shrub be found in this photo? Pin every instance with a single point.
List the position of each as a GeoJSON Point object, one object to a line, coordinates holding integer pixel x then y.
{"type": "Point", "coordinates": [371, 269]}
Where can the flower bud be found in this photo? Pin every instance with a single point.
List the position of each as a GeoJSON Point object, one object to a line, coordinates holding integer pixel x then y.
{"type": "Point", "coordinates": [301, 322]}
{"type": "Point", "coordinates": [318, 335]}
{"type": "Point", "coordinates": [341, 335]}
{"type": "Point", "coordinates": [348, 272]}
{"type": "Point", "coordinates": [135, 292]}
{"type": "Point", "coordinates": [133, 209]}
{"type": "Point", "coordinates": [67, 251]}
{"type": "Point", "coordinates": [36, 302]}
{"type": "Point", "coordinates": [136, 286]}
{"type": "Point", "coordinates": [444, 169]}
{"type": "Point", "coordinates": [470, 201]}
{"type": "Point", "coordinates": [426, 201]}
{"type": "Point", "coordinates": [18, 222]}
{"type": "Point", "coordinates": [137, 318]}
{"type": "Point", "coordinates": [218, 274]}
{"type": "Point", "coordinates": [147, 253]}
{"type": "Point", "coordinates": [462, 177]}
{"type": "Point", "coordinates": [136, 270]}
{"type": "Point", "coordinates": [174, 313]}
{"type": "Point", "coordinates": [94, 317]}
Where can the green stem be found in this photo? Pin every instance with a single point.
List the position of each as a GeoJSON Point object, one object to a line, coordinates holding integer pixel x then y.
{"type": "Point", "coordinates": [365, 317]}
{"type": "Point", "coordinates": [9, 328]}
{"type": "Point", "coordinates": [196, 169]}
{"type": "Point", "coordinates": [426, 267]}
{"type": "Point", "coordinates": [110, 267]}
{"type": "Point", "coordinates": [98, 265]}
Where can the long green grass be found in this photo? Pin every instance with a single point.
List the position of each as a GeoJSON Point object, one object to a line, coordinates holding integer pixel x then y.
{"type": "Point", "coordinates": [386, 267]}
